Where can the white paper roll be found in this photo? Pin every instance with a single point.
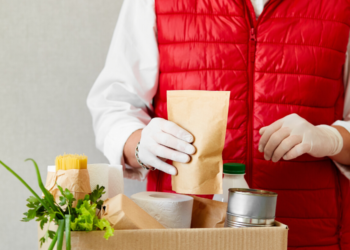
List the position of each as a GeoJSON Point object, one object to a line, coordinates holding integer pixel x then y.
{"type": "Point", "coordinates": [171, 210]}
{"type": "Point", "coordinates": [111, 177]}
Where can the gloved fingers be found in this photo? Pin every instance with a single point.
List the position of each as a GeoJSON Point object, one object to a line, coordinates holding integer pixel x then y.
{"type": "Point", "coordinates": [161, 165]}
{"type": "Point", "coordinates": [273, 142]}
{"type": "Point", "coordinates": [285, 146]}
{"type": "Point", "coordinates": [267, 132]}
{"type": "Point", "coordinates": [175, 143]}
{"type": "Point", "coordinates": [168, 153]}
{"type": "Point", "coordinates": [297, 151]}
{"type": "Point", "coordinates": [177, 131]}
{"type": "Point", "coordinates": [262, 130]}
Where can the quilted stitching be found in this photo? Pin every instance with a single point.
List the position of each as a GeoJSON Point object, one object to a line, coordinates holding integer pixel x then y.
{"type": "Point", "coordinates": [300, 51]}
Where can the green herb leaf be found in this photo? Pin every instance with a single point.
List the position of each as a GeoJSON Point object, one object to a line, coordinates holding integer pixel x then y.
{"type": "Point", "coordinates": [99, 204]}
{"type": "Point", "coordinates": [51, 234]}
{"type": "Point", "coordinates": [63, 201]}
{"type": "Point", "coordinates": [45, 238]}
{"type": "Point", "coordinates": [43, 221]}
{"type": "Point", "coordinates": [42, 241]}
{"type": "Point", "coordinates": [69, 197]}
{"type": "Point", "coordinates": [30, 215]}
{"type": "Point", "coordinates": [96, 195]}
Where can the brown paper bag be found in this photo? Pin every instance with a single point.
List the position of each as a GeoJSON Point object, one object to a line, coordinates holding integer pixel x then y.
{"type": "Point", "coordinates": [123, 213]}
{"type": "Point", "coordinates": [204, 114]}
{"type": "Point", "coordinates": [76, 180]}
{"type": "Point", "coordinates": [208, 213]}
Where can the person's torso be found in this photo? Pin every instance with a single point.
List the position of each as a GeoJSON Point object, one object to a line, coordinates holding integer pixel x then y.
{"type": "Point", "coordinates": [290, 61]}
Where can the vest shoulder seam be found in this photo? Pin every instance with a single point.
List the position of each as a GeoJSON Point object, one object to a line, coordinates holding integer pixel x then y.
{"type": "Point", "coordinates": [305, 17]}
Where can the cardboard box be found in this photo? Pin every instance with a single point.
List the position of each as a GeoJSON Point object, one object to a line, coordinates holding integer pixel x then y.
{"type": "Point", "coordinates": [269, 238]}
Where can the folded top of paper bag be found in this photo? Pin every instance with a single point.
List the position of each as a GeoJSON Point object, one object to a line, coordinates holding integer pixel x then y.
{"type": "Point", "coordinates": [109, 176]}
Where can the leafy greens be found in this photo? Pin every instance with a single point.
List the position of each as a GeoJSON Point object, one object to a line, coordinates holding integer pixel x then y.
{"type": "Point", "coordinates": [80, 218]}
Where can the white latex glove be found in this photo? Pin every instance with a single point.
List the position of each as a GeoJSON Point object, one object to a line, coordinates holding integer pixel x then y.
{"type": "Point", "coordinates": [162, 140]}
{"type": "Point", "coordinates": [292, 136]}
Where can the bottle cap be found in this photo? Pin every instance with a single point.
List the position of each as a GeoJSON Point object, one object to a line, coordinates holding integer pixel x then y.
{"type": "Point", "coordinates": [234, 168]}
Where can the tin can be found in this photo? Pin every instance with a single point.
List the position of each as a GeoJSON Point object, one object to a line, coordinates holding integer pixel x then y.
{"type": "Point", "coordinates": [250, 208]}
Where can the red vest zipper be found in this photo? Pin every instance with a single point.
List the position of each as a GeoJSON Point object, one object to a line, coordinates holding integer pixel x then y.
{"type": "Point", "coordinates": [252, 45]}
{"type": "Point", "coordinates": [251, 69]}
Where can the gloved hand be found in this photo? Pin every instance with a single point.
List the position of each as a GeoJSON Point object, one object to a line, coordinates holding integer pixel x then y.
{"type": "Point", "coordinates": [162, 140]}
{"type": "Point", "coordinates": [293, 136]}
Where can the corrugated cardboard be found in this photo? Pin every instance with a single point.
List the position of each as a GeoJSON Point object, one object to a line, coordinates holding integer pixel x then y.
{"type": "Point", "coordinates": [269, 238]}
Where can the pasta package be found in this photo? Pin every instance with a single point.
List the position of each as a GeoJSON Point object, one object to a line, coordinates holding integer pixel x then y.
{"type": "Point", "coordinates": [204, 115]}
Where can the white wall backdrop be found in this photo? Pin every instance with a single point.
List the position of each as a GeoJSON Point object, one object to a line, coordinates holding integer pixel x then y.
{"type": "Point", "coordinates": [51, 52]}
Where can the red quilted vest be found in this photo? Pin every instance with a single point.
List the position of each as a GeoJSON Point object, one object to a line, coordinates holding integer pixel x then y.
{"type": "Point", "coordinates": [289, 61]}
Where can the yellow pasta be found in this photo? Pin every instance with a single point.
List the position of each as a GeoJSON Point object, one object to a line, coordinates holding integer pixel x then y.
{"type": "Point", "coordinates": [67, 162]}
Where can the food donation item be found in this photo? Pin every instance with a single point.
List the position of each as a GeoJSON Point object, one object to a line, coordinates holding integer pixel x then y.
{"type": "Point", "coordinates": [109, 176]}
{"type": "Point", "coordinates": [45, 210]}
{"type": "Point", "coordinates": [233, 178]}
{"type": "Point", "coordinates": [204, 114]}
{"type": "Point", "coordinates": [123, 213]}
{"type": "Point", "coordinates": [71, 173]}
{"type": "Point", "coordinates": [208, 213]}
{"type": "Point", "coordinates": [170, 210]}
{"type": "Point", "coordinates": [251, 208]}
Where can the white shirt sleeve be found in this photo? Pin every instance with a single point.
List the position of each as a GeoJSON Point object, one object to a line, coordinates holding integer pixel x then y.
{"type": "Point", "coordinates": [121, 99]}
{"type": "Point", "coordinates": [346, 122]}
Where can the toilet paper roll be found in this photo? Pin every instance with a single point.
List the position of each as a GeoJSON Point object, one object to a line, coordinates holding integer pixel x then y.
{"type": "Point", "coordinates": [109, 176]}
{"type": "Point", "coordinates": [171, 210]}
{"type": "Point", "coordinates": [115, 180]}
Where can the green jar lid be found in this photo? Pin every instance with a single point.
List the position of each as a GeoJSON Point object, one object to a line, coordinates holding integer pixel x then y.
{"type": "Point", "coordinates": [234, 168]}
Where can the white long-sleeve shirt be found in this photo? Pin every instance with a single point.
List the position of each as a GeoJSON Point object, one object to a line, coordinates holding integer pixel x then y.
{"type": "Point", "coordinates": [122, 95]}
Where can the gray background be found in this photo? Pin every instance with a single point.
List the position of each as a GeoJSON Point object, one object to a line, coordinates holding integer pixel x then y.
{"type": "Point", "coordinates": [51, 52]}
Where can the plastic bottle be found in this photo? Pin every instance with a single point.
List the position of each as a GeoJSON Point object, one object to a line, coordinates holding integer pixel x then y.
{"type": "Point", "coordinates": [233, 178]}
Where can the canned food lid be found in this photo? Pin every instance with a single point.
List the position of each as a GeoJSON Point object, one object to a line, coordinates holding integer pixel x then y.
{"type": "Point", "coordinates": [256, 192]}
{"type": "Point", "coordinates": [234, 168]}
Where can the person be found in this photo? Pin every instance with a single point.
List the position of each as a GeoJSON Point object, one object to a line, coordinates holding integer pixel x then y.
{"type": "Point", "coordinates": [286, 66]}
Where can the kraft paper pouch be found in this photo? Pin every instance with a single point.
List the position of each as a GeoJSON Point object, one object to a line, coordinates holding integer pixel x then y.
{"type": "Point", "coordinates": [208, 213]}
{"type": "Point", "coordinates": [123, 213]}
{"type": "Point", "coordinates": [204, 115]}
{"type": "Point", "coordinates": [76, 180]}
